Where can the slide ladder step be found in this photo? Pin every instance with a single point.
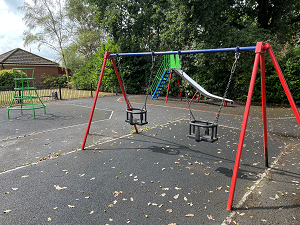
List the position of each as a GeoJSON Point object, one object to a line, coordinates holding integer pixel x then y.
{"type": "Point", "coordinates": [161, 83]}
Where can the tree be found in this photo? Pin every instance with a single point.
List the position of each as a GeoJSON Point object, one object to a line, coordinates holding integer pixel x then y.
{"type": "Point", "coordinates": [87, 33]}
{"type": "Point", "coordinates": [48, 25]}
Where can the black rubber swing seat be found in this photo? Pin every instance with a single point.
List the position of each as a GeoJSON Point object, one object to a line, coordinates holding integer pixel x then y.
{"type": "Point", "coordinates": [209, 128]}
{"type": "Point", "coordinates": [140, 117]}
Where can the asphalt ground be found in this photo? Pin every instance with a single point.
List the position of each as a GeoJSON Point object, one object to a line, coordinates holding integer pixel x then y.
{"type": "Point", "coordinates": [156, 177]}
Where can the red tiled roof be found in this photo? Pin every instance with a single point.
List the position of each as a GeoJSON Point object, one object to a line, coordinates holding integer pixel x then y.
{"type": "Point", "coordinates": [22, 57]}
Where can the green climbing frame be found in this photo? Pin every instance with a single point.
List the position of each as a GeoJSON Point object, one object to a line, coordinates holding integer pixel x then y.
{"type": "Point", "coordinates": [25, 92]}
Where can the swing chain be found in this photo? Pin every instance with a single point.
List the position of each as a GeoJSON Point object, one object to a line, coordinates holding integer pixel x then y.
{"type": "Point", "coordinates": [185, 90]}
{"type": "Point", "coordinates": [237, 56]}
{"type": "Point", "coordinates": [151, 73]}
{"type": "Point", "coordinates": [120, 69]}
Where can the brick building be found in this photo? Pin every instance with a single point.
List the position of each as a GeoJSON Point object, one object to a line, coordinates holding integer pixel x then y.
{"type": "Point", "coordinates": [19, 58]}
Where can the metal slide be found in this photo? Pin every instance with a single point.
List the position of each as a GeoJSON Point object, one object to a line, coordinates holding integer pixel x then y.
{"type": "Point", "coordinates": [198, 87]}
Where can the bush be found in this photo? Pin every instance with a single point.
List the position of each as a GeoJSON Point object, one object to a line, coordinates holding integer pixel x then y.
{"type": "Point", "coordinates": [50, 81]}
{"type": "Point", "coordinates": [90, 71]}
{"type": "Point", "coordinates": [7, 78]}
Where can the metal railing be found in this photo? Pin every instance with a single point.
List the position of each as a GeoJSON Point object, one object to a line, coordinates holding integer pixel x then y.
{"type": "Point", "coordinates": [46, 93]}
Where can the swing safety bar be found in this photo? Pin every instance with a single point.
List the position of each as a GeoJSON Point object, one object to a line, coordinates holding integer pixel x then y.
{"type": "Point", "coordinates": [179, 52]}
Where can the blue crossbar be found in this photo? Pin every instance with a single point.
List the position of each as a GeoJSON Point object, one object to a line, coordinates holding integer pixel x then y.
{"type": "Point", "coordinates": [250, 48]}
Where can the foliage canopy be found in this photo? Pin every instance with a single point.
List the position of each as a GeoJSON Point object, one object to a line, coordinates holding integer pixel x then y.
{"type": "Point", "coordinates": [147, 25]}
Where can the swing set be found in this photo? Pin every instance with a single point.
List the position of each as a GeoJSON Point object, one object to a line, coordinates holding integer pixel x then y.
{"type": "Point", "coordinates": [136, 116]}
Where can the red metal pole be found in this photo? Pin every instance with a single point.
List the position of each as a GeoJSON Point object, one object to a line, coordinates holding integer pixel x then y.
{"type": "Point", "coordinates": [193, 97]}
{"type": "Point", "coordinates": [244, 125]}
{"type": "Point", "coordinates": [179, 86]}
{"type": "Point", "coordinates": [198, 97]}
{"type": "Point", "coordinates": [169, 86]}
{"type": "Point", "coordinates": [264, 112]}
{"type": "Point", "coordinates": [122, 88]}
{"type": "Point", "coordinates": [106, 56]}
{"type": "Point", "coordinates": [283, 82]}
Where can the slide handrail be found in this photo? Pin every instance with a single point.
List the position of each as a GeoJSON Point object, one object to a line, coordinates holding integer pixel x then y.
{"type": "Point", "coordinates": [198, 87]}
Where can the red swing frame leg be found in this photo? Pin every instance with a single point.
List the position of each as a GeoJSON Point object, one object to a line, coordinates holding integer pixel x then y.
{"type": "Point", "coordinates": [244, 125]}
{"type": "Point", "coordinates": [283, 83]}
{"type": "Point", "coordinates": [264, 112]}
{"type": "Point", "coordinates": [106, 56]}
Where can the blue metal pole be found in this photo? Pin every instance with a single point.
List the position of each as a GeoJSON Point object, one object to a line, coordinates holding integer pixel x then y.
{"type": "Point", "coordinates": [250, 48]}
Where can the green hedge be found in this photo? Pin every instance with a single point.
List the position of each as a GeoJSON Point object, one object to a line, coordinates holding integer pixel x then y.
{"type": "Point", "coordinates": [7, 78]}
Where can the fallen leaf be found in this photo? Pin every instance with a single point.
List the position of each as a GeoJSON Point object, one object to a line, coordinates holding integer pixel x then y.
{"type": "Point", "coordinates": [176, 196]}
{"type": "Point", "coordinates": [71, 206]}
{"type": "Point", "coordinates": [166, 189]}
{"type": "Point", "coordinates": [160, 206]}
{"type": "Point", "coordinates": [55, 208]}
{"type": "Point", "coordinates": [49, 219]}
{"type": "Point", "coordinates": [7, 211]}
{"type": "Point", "coordinates": [110, 219]}
{"type": "Point", "coordinates": [190, 204]}
{"type": "Point", "coordinates": [59, 188]}
{"type": "Point", "coordinates": [25, 176]}
{"type": "Point", "coordinates": [93, 178]}
{"type": "Point", "coordinates": [14, 189]}
{"type": "Point", "coordinates": [131, 199]}
{"type": "Point", "coordinates": [163, 194]}
{"type": "Point", "coordinates": [169, 210]}
{"type": "Point", "coordinates": [177, 188]}
{"type": "Point", "coordinates": [87, 197]}
{"type": "Point", "coordinates": [276, 197]}
{"type": "Point", "coordinates": [185, 198]}
{"type": "Point", "coordinates": [163, 169]}
{"type": "Point", "coordinates": [116, 193]}
{"type": "Point", "coordinates": [189, 215]}
{"type": "Point", "coordinates": [219, 188]}
{"type": "Point", "coordinates": [210, 217]}
{"type": "Point", "coordinates": [91, 212]}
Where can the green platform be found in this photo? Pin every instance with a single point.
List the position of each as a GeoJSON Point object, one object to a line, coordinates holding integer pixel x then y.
{"type": "Point", "coordinates": [25, 92]}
